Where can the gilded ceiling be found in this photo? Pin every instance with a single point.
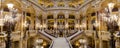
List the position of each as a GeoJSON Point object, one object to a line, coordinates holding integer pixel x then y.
{"type": "Point", "coordinates": [60, 3]}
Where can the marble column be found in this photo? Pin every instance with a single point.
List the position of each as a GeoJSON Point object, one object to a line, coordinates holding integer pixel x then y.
{"type": "Point", "coordinates": [25, 41]}
{"type": "Point", "coordinates": [100, 41]}
{"type": "Point", "coordinates": [55, 3]}
{"type": "Point", "coordinates": [85, 46]}
{"type": "Point", "coordinates": [36, 19]}
{"type": "Point", "coordinates": [66, 4]}
{"type": "Point", "coordinates": [13, 45]}
{"type": "Point", "coordinates": [44, 21]}
{"type": "Point", "coordinates": [21, 33]}
{"type": "Point", "coordinates": [55, 22]}
{"type": "Point", "coordinates": [20, 44]}
{"type": "Point", "coordinates": [66, 22]}
{"type": "Point", "coordinates": [77, 16]}
{"type": "Point", "coordinates": [95, 39]}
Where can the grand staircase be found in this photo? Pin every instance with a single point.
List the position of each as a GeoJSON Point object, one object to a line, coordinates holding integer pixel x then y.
{"type": "Point", "coordinates": [60, 42]}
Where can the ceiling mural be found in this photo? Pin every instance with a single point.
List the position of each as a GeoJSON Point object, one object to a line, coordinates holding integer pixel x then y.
{"type": "Point", "coordinates": [60, 3]}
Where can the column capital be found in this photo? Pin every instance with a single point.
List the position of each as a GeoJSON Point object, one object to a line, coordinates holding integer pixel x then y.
{"type": "Point", "coordinates": [66, 14]}
{"type": "Point", "coordinates": [55, 14]}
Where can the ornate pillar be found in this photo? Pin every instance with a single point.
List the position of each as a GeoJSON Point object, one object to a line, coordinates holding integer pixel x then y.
{"type": "Point", "coordinates": [89, 21]}
{"type": "Point", "coordinates": [55, 23]}
{"type": "Point", "coordinates": [66, 14]}
{"type": "Point", "coordinates": [66, 3]}
{"type": "Point", "coordinates": [100, 40]}
{"type": "Point", "coordinates": [44, 21]}
{"type": "Point", "coordinates": [25, 41]}
{"type": "Point", "coordinates": [36, 20]}
{"type": "Point", "coordinates": [55, 4]}
{"type": "Point", "coordinates": [77, 20]}
{"type": "Point", "coordinates": [66, 23]}
{"type": "Point", "coordinates": [20, 44]}
{"type": "Point", "coordinates": [117, 42]}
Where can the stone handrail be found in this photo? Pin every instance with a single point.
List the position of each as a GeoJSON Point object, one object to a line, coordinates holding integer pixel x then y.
{"type": "Point", "coordinates": [69, 43]}
{"type": "Point", "coordinates": [74, 35]}
{"type": "Point", "coordinates": [51, 44]}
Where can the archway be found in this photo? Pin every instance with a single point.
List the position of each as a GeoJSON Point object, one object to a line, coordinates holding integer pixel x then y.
{"type": "Point", "coordinates": [61, 25]}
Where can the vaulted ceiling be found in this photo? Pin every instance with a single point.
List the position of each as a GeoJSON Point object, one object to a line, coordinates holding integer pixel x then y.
{"type": "Point", "coordinates": [74, 3]}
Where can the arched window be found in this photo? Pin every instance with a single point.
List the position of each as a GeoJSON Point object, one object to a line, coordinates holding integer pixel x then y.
{"type": "Point", "coordinates": [27, 13]}
{"type": "Point", "coordinates": [50, 17]}
{"type": "Point", "coordinates": [71, 17]}
{"type": "Point", "coordinates": [93, 21]}
{"type": "Point", "coordinates": [93, 14]}
{"type": "Point", "coordinates": [6, 9]}
{"type": "Point", "coordinates": [61, 5]}
{"type": "Point", "coordinates": [115, 9]}
{"type": "Point", "coordinates": [71, 27]}
{"type": "Point", "coordinates": [39, 17]}
{"type": "Point", "coordinates": [71, 6]}
{"type": "Point", "coordinates": [60, 16]}
{"type": "Point", "coordinates": [50, 27]}
{"type": "Point", "coordinates": [49, 6]}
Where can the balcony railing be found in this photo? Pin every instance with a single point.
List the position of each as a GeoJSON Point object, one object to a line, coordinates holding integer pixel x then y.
{"type": "Point", "coordinates": [16, 35]}
{"type": "Point", "coordinates": [105, 35]}
{"type": "Point", "coordinates": [2, 35]}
